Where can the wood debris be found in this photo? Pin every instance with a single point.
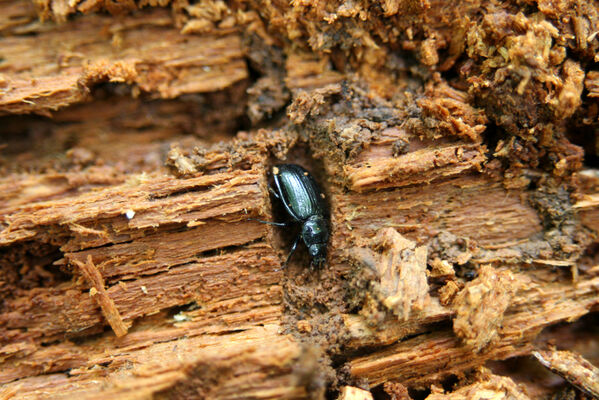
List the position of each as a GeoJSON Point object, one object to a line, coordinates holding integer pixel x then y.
{"type": "Point", "coordinates": [62, 77]}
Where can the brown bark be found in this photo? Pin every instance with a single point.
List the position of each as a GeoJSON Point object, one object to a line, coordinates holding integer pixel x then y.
{"type": "Point", "coordinates": [458, 161]}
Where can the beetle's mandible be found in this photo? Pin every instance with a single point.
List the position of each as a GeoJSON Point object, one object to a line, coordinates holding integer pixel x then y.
{"type": "Point", "coordinates": [304, 202]}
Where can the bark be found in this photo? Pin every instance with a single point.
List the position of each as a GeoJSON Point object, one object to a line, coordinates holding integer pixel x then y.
{"type": "Point", "coordinates": [457, 148]}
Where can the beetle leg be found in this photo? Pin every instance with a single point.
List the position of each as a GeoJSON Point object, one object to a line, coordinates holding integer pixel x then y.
{"type": "Point", "coordinates": [269, 222]}
{"type": "Point", "coordinates": [292, 250]}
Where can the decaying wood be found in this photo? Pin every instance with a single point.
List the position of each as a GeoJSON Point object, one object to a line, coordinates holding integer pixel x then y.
{"type": "Point", "coordinates": [432, 356]}
{"type": "Point", "coordinates": [147, 53]}
{"type": "Point", "coordinates": [455, 144]}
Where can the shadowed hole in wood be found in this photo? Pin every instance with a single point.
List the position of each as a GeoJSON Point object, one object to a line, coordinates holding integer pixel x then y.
{"type": "Point", "coordinates": [29, 265]}
{"type": "Point", "coordinates": [195, 189]}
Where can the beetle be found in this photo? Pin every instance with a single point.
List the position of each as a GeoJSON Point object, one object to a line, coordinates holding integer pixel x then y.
{"type": "Point", "coordinates": [304, 203]}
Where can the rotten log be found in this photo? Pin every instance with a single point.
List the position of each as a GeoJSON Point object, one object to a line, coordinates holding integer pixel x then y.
{"type": "Point", "coordinates": [458, 161]}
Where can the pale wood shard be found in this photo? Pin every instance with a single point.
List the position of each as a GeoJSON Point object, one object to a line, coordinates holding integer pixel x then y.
{"type": "Point", "coordinates": [152, 55]}
{"type": "Point", "coordinates": [490, 387]}
{"type": "Point", "coordinates": [481, 305]}
{"type": "Point", "coordinates": [363, 334]}
{"type": "Point", "coordinates": [408, 289]}
{"type": "Point", "coordinates": [98, 292]}
{"type": "Point", "coordinates": [354, 393]}
{"type": "Point", "coordinates": [572, 367]}
{"type": "Point", "coordinates": [400, 267]}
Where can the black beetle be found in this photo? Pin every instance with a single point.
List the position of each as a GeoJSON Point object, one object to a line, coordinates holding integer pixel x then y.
{"type": "Point", "coordinates": [304, 202]}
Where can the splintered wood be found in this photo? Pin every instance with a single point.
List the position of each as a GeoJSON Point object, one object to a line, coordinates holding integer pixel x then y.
{"type": "Point", "coordinates": [134, 267]}
{"type": "Point", "coordinates": [433, 356]}
{"type": "Point", "coordinates": [354, 393]}
{"type": "Point", "coordinates": [98, 292]}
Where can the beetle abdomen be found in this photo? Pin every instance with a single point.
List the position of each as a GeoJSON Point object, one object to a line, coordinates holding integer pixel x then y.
{"type": "Point", "coordinates": [300, 193]}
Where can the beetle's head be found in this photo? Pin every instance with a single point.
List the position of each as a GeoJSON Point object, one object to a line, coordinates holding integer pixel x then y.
{"type": "Point", "coordinates": [316, 235]}
{"type": "Point", "coordinates": [318, 252]}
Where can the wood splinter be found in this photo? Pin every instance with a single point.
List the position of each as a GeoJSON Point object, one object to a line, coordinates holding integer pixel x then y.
{"type": "Point", "coordinates": [572, 367]}
{"type": "Point", "coordinates": [98, 292]}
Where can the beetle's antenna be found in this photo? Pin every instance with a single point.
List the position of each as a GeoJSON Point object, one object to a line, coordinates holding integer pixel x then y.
{"type": "Point", "coordinates": [269, 222]}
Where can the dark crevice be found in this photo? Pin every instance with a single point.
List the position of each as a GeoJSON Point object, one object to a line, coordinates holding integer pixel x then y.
{"type": "Point", "coordinates": [29, 265]}
{"type": "Point", "coordinates": [174, 193]}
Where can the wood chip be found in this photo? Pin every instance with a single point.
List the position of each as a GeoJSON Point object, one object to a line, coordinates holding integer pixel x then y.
{"type": "Point", "coordinates": [99, 293]}
{"type": "Point", "coordinates": [354, 393]}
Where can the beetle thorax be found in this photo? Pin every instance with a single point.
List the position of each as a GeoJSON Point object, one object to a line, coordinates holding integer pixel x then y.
{"type": "Point", "coordinates": [314, 230]}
